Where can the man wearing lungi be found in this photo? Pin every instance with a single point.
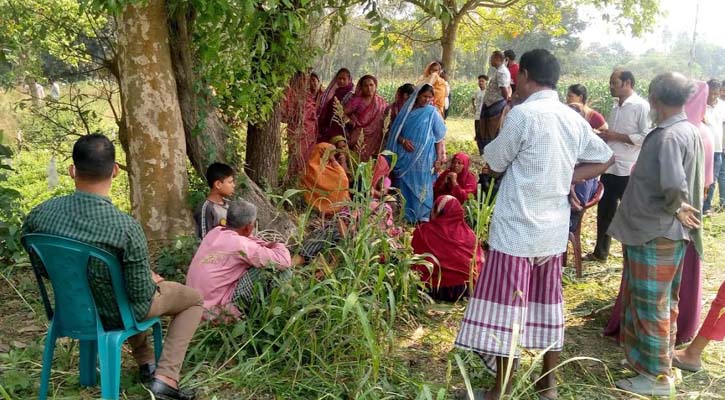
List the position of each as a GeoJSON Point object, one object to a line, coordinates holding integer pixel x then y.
{"type": "Point", "coordinates": [657, 217]}
{"type": "Point", "coordinates": [495, 101]}
{"type": "Point", "coordinates": [544, 146]}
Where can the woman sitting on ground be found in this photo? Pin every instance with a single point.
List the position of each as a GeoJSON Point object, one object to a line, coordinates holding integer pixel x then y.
{"type": "Point", "coordinates": [457, 180]}
{"type": "Point", "coordinates": [325, 181]}
{"type": "Point", "coordinates": [453, 244]}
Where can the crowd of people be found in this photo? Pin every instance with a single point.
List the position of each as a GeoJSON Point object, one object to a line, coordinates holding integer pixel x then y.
{"type": "Point", "coordinates": [658, 160]}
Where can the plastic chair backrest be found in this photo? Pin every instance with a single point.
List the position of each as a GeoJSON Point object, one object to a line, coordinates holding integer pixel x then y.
{"type": "Point", "coordinates": [66, 264]}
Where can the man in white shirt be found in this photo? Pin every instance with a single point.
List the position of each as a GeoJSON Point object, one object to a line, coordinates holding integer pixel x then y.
{"type": "Point", "coordinates": [714, 119]}
{"type": "Point", "coordinates": [537, 150]}
{"type": "Point", "coordinates": [477, 102]}
{"type": "Point", "coordinates": [495, 99]}
{"type": "Point", "coordinates": [629, 124]}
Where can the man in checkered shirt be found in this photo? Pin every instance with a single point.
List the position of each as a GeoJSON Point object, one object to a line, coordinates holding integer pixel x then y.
{"type": "Point", "coordinates": [87, 215]}
{"type": "Point", "coordinates": [543, 147]}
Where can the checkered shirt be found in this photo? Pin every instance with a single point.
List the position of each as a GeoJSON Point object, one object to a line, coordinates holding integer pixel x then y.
{"type": "Point", "coordinates": [93, 219]}
{"type": "Point", "coordinates": [539, 144]}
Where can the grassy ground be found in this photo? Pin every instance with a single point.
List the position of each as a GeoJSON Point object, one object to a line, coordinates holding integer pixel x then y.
{"type": "Point", "coordinates": [423, 352]}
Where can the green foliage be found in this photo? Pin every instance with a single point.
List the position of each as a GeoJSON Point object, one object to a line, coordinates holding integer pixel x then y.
{"type": "Point", "coordinates": [174, 259]}
{"type": "Point", "coordinates": [328, 331]}
{"type": "Point", "coordinates": [10, 214]}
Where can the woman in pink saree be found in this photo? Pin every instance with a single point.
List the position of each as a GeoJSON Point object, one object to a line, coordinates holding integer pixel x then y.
{"type": "Point", "coordinates": [366, 111]}
{"type": "Point", "coordinates": [299, 112]}
{"type": "Point", "coordinates": [341, 88]}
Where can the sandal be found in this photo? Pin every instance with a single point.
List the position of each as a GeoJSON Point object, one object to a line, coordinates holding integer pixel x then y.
{"type": "Point", "coordinates": [645, 386]}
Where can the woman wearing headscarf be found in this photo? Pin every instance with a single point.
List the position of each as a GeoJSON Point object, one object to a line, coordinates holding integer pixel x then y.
{"type": "Point", "coordinates": [366, 113]}
{"type": "Point", "coordinates": [690, 304]}
{"type": "Point", "coordinates": [457, 181]}
{"type": "Point", "coordinates": [325, 182]}
{"type": "Point", "coordinates": [299, 111]}
{"type": "Point", "coordinates": [417, 137]}
{"type": "Point", "coordinates": [453, 245]}
{"type": "Point", "coordinates": [340, 88]}
{"type": "Point", "coordinates": [431, 76]}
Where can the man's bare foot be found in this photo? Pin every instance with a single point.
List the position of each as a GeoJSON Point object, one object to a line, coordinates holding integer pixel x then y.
{"type": "Point", "coordinates": [686, 360]}
{"type": "Point", "coordinates": [546, 387]}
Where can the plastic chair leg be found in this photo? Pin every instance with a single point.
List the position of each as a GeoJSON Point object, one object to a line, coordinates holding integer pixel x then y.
{"type": "Point", "coordinates": [158, 341]}
{"type": "Point", "coordinates": [89, 351]}
{"type": "Point", "coordinates": [47, 362]}
{"type": "Point", "coordinates": [109, 356]}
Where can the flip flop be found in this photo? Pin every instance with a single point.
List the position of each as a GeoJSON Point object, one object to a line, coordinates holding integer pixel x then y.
{"type": "Point", "coordinates": [684, 366]}
{"type": "Point", "coordinates": [644, 386]}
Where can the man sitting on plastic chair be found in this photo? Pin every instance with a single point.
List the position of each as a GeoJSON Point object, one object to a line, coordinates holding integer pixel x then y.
{"type": "Point", "coordinates": [88, 216]}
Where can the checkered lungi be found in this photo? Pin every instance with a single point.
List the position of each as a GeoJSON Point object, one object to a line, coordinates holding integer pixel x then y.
{"type": "Point", "coordinates": [517, 303]}
{"type": "Point", "coordinates": [244, 291]}
{"type": "Point", "coordinates": [650, 292]}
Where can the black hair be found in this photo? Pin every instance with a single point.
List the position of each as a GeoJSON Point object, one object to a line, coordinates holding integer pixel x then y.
{"type": "Point", "coordinates": [484, 77]}
{"type": "Point", "coordinates": [714, 84]}
{"type": "Point", "coordinates": [343, 71]}
{"type": "Point", "coordinates": [627, 76]}
{"type": "Point", "coordinates": [425, 88]}
{"type": "Point", "coordinates": [579, 90]}
{"type": "Point", "coordinates": [218, 172]}
{"type": "Point", "coordinates": [498, 54]}
{"type": "Point", "coordinates": [510, 54]}
{"type": "Point", "coordinates": [314, 75]}
{"type": "Point", "coordinates": [541, 67]}
{"type": "Point", "coordinates": [407, 88]}
{"type": "Point", "coordinates": [94, 157]}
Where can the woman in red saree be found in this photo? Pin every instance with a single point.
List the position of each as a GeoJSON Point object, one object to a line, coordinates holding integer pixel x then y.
{"type": "Point", "coordinates": [366, 110]}
{"type": "Point", "coordinates": [457, 180]}
{"type": "Point", "coordinates": [299, 111]}
{"type": "Point", "coordinates": [453, 244]}
{"type": "Point", "coordinates": [401, 96]}
{"type": "Point", "coordinates": [341, 88]}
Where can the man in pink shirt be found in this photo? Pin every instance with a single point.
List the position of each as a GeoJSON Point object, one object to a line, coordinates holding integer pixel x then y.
{"type": "Point", "coordinates": [228, 262]}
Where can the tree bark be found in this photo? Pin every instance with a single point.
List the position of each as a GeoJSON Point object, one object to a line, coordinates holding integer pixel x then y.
{"type": "Point", "coordinates": [206, 142]}
{"type": "Point", "coordinates": [448, 45]}
{"type": "Point", "coordinates": [206, 134]}
{"type": "Point", "coordinates": [154, 130]}
{"type": "Point", "coordinates": [264, 146]}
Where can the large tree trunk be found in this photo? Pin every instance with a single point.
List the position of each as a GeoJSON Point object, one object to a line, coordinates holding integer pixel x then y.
{"type": "Point", "coordinates": [448, 45]}
{"type": "Point", "coordinates": [207, 142]}
{"type": "Point", "coordinates": [154, 132]}
{"type": "Point", "coordinates": [264, 150]}
{"type": "Point", "coordinates": [206, 134]}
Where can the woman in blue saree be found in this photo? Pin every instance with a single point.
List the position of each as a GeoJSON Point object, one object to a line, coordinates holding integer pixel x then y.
{"type": "Point", "coordinates": [416, 136]}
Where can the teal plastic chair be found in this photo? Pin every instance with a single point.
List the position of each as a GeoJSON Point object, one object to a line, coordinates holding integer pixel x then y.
{"type": "Point", "coordinates": [75, 315]}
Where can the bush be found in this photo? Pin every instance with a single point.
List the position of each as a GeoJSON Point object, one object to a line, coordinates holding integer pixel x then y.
{"type": "Point", "coordinates": [10, 215]}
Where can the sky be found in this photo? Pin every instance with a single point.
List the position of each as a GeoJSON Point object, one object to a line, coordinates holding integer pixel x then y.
{"type": "Point", "coordinates": [680, 18]}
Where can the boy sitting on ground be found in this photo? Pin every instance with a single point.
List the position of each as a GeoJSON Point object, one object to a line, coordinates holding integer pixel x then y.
{"type": "Point", "coordinates": [229, 261]}
{"type": "Point", "coordinates": [213, 211]}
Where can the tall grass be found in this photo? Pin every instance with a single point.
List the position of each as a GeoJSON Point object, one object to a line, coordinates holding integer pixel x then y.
{"type": "Point", "coordinates": [326, 336]}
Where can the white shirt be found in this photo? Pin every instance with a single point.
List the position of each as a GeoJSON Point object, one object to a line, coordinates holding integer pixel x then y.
{"type": "Point", "coordinates": [632, 119]}
{"type": "Point", "coordinates": [539, 144]}
{"type": "Point", "coordinates": [500, 78]}
{"type": "Point", "coordinates": [714, 119]}
{"type": "Point", "coordinates": [55, 91]}
{"type": "Point", "coordinates": [478, 103]}
{"type": "Point", "coordinates": [448, 98]}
